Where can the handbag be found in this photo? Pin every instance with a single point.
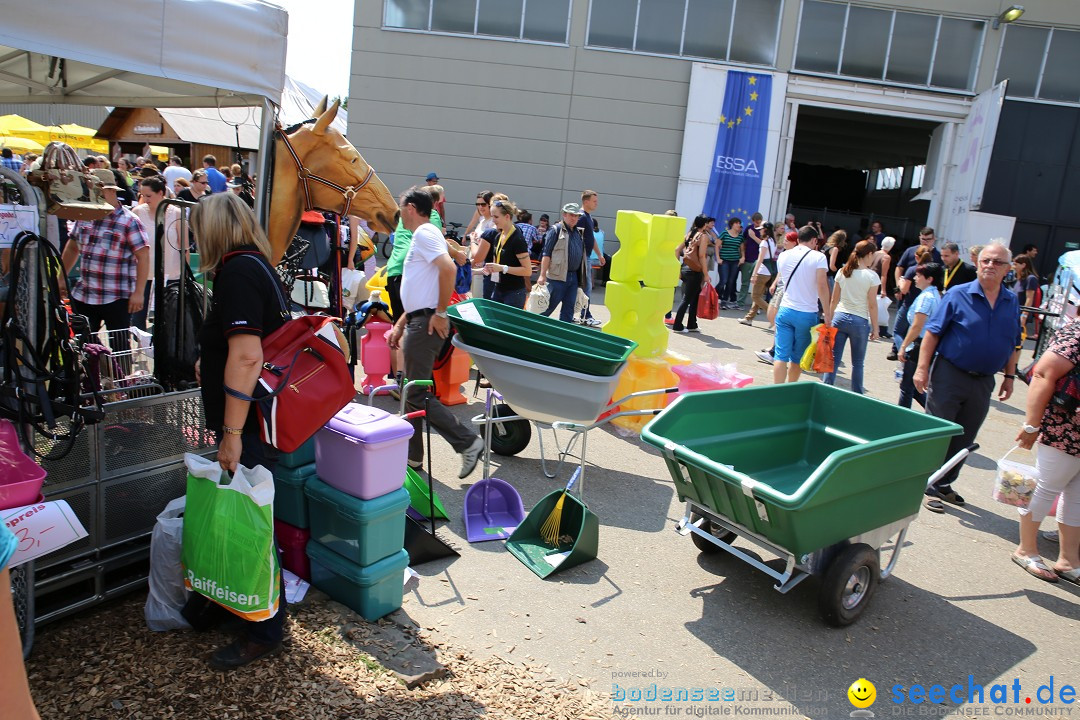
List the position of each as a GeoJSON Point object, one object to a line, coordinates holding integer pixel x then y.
{"type": "Point", "coordinates": [1066, 391]}
{"type": "Point", "coordinates": [708, 305]}
{"type": "Point", "coordinates": [823, 352]}
{"type": "Point", "coordinates": [307, 357]}
{"type": "Point", "coordinates": [690, 254]}
{"type": "Point", "coordinates": [539, 299]}
{"type": "Point", "coordinates": [72, 193]}
{"type": "Point", "coordinates": [806, 363]}
{"type": "Point", "coordinates": [227, 550]}
{"type": "Point", "coordinates": [1015, 482]}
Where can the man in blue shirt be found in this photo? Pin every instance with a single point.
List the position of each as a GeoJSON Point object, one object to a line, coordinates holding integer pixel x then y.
{"type": "Point", "coordinates": [974, 332]}
{"type": "Point", "coordinates": [8, 160]}
{"type": "Point", "coordinates": [563, 262]}
{"type": "Point", "coordinates": [213, 175]}
{"type": "Point", "coordinates": [589, 200]}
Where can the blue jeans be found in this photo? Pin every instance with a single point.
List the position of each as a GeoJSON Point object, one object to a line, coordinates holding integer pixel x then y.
{"type": "Point", "coordinates": [857, 330]}
{"type": "Point", "coordinates": [564, 292]}
{"type": "Point", "coordinates": [729, 274]}
{"type": "Point", "coordinates": [489, 287]}
{"type": "Point", "coordinates": [792, 334]}
{"type": "Point", "coordinates": [900, 326]}
{"type": "Point", "coordinates": [511, 297]}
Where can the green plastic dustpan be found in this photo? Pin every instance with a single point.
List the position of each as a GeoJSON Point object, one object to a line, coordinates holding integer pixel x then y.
{"type": "Point", "coordinates": [578, 524]}
{"type": "Point", "coordinates": [419, 499]}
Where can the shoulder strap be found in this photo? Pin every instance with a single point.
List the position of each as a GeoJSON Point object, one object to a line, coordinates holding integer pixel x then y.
{"type": "Point", "coordinates": [273, 281]}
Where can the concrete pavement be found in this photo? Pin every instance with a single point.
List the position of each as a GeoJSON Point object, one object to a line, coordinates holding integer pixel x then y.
{"type": "Point", "coordinates": [651, 609]}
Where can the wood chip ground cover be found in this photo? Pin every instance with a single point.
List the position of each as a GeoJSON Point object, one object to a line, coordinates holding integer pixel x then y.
{"type": "Point", "coordinates": [106, 664]}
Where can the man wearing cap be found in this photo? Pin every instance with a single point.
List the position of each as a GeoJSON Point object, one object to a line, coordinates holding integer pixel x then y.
{"type": "Point", "coordinates": [440, 204]}
{"type": "Point", "coordinates": [115, 263]}
{"type": "Point", "coordinates": [421, 328]}
{"type": "Point", "coordinates": [236, 186]}
{"type": "Point", "coordinates": [563, 262]}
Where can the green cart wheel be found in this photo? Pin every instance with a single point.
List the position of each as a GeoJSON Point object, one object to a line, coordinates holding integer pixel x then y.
{"type": "Point", "coordinates": [509, 438]}
{"type": "Point", "coordinates": [849, 584]}
{"type": "Point", "coordinates": [704, 545]}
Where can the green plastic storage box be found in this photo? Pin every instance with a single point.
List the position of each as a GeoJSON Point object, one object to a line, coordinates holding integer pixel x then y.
{"type": "Point", "coordinates": [363, 531]}
{"type": "Point", "coordinates": [303, 455]}
{"type": "Point", "coordinates": [290, 503]}
{"type": "Point", "coordinates": [373, 591]}
{"type": "Point", "coordinates": [805, 465]}
{"type": "Point", "coordinates": [506, 330]}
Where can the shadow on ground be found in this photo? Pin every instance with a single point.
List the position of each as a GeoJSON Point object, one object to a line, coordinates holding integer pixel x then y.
{"type": "Point", "coordinates": [906, 635]}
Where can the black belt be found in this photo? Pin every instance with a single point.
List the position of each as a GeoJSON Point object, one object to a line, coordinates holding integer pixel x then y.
{"type": "Point", "coordinates": [419, 314]}
{"type": "Point", "coordinates": [966, 372]}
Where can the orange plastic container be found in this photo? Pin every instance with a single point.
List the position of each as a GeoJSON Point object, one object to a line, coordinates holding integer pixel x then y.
{"type": "Point", "coordinates": [644, 374]}
{"type": "Point", "coordinates": [451, 376]}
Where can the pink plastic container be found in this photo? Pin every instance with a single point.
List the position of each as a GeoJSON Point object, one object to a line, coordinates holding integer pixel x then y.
{"type": "Point", "coordinates": [375, 355]}
{"type": "Point", "coordinates": [20, 477]}
{"type": "Point", "coordinates": [362, 451]}
{"type": "Point", "coordinates": [293, 543]}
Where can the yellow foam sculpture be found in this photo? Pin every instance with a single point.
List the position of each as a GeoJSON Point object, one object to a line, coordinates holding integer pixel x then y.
{"type": "Point", "coordinates": [644, 274]}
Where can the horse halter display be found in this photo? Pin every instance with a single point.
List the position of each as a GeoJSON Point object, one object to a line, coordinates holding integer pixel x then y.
{"type": "Point", "coordinates": [306, 175]}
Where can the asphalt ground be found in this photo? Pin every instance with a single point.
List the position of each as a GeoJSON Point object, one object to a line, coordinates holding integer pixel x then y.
{"type": "Point", "coordinates": [652, 610]}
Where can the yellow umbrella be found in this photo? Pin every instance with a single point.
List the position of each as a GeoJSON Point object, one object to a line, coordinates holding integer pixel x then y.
{"type": "Point", "coordinates": [161, 152]}
{"type": "Point", "coordinates": [20, 145]}
{"type": "Point", "coordinates": [18, 126]}
{"type": "Point", "coordinates": [77, 136]}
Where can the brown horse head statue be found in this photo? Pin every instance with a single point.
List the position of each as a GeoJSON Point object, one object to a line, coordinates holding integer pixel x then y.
{"type": "Point", "coordinates": [315, 167]}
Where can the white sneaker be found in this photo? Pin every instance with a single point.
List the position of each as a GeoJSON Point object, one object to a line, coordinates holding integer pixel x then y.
{"type": "Point", "coordinates": [1051, 535]}
{"type": "Point", "coordinates": [765, 357]}
{"type": "Point", "coordinates": [591, 322]}
{"type": "Point", "coordinates": [469, 456]}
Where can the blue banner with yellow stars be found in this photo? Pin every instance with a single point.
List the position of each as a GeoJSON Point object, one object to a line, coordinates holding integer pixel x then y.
{"type": "Point", "coordinates": [735, 180]}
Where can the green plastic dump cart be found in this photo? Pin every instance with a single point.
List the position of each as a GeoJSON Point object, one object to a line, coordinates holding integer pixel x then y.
{"type": "Point", "coordinates": [522, 335]}
{"type": "Point", "coordinates": [821, 477]}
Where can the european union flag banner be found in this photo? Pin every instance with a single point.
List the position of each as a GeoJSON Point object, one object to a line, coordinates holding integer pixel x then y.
{"type": "Point", "coordinates": [735, 180]}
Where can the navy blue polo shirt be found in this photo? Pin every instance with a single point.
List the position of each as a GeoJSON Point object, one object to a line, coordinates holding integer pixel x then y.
{"type": "Point", "coordinates": [585, 225]}
{"type": "Point", "coordinates": [972, 335]}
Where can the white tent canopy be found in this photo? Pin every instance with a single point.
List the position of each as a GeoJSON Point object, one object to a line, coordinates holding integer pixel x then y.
{"type": "Point", "coordinates": [143, 53]}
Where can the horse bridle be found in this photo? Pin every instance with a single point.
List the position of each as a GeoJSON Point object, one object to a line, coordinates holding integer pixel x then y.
{"type": "Point", "coordinates": [306, 175]}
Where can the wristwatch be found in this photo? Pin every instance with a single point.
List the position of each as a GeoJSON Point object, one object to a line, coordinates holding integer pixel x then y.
{"type": "Point", "coordinates": [1031, 429]}
{"type": "Point", "coordinates": [440, 314]}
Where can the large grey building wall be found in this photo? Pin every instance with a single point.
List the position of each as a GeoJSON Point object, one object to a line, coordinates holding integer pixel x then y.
{"type": "Point", "coordinates": [538, 122]}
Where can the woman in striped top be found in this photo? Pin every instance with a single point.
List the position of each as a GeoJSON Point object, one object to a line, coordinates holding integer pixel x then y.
{"type": "Point", "coordinates": [729, 257]}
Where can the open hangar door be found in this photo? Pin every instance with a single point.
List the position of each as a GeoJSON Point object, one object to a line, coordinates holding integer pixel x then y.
{"type": "Point", "coordinates": [848, 168]}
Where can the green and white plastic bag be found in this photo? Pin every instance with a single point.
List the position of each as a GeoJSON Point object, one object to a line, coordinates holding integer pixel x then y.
{"type": "Point", "coordinates": [228, 548]}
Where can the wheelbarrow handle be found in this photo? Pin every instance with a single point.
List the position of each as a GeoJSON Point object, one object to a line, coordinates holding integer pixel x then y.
{"type": "Point", "coordinates": [951, 463]}
{"type": "Point", "coordinates": [376, 390]}
{"type": "Point", "coordinates": [405, 390]}
{"type": "Point", "coordinates": [415, 414]}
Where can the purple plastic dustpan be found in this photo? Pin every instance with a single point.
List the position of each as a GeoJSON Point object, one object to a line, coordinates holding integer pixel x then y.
{"type": "Point", "coordinates": [493, 510]}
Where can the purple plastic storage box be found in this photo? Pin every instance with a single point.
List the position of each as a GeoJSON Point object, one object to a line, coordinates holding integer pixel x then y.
{"type": "Point", "coordinates": [362, 451]}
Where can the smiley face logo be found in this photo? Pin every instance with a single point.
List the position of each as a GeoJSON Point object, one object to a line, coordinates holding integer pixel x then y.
{"type": "Point", "coordinates": [862, 693]}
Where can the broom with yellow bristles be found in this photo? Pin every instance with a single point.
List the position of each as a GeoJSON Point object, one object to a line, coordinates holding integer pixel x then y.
{"type": "Point", "coordinates": [549, 531]}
